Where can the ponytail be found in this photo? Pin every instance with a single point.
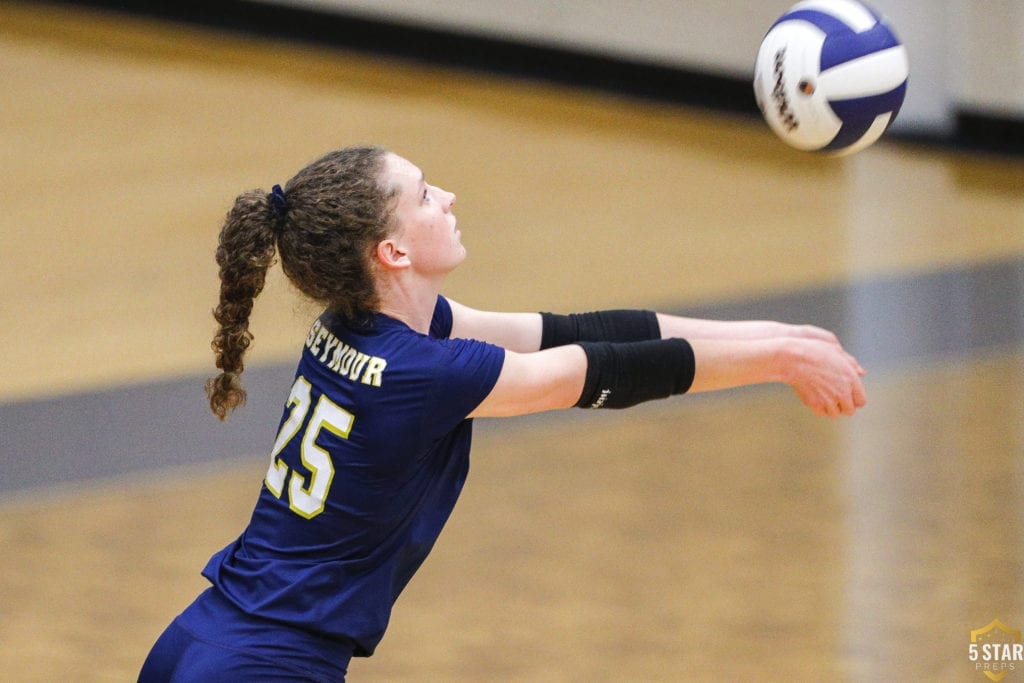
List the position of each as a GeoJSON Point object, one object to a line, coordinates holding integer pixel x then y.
{"type": "Point", "coordinates": [244, 254]}
{"type": "Point", "coordinates": [323, 225]}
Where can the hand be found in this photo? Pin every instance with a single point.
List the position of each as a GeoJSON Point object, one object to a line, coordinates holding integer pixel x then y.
{"type": "Point", "coordinates": [807, 332]}
{"type": "Point", "coordinates": [825, 376]}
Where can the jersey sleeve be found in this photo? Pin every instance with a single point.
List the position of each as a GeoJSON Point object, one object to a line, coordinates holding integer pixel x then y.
{"type": "Point", "coordinates": [466, 371]}
{"type": "Point", "coordinates": [441, 323]}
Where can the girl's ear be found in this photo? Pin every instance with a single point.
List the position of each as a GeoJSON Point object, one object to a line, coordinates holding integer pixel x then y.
{"type": "Point", "coordinates": [391, 255]}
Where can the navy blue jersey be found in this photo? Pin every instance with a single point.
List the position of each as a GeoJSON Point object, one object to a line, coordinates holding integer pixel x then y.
{"type": "Point", "coordinates": [370, 458]}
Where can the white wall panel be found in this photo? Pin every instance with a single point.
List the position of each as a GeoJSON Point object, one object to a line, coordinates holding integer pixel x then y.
{"type": "Point", "coordinates": [962, 52]}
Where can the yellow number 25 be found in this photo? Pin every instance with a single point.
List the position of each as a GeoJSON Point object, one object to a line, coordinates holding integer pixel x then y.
{"type": "Point", "coordinates": [306, 498]}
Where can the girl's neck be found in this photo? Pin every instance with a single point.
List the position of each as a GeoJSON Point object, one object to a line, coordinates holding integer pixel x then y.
{"type": "Point", "coordinates": [413, 305]}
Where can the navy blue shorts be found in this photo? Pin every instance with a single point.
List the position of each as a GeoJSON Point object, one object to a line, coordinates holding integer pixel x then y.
{"type": "Point", "coordinates": [212, 640]}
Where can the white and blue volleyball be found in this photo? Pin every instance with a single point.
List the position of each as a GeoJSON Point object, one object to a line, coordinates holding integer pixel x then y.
{"type": "Point", "coordinates": [830, 76]}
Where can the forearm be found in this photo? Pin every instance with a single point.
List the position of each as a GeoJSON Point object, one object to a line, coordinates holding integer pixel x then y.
{"type": "Point", "coordinates": [696, 328]}
{"type": "Point", "coordinates": [729, 363]}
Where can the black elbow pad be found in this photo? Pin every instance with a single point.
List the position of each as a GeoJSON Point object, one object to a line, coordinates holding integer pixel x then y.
{"type": "Point", "coordinates": [623, 375]}
{"type": "Point", "coordinates": [599, 326]}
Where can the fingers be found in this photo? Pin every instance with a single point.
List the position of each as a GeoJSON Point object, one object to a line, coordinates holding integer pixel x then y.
{"type": "Point", "coordinates": [828, 379]}
{"type": "Point", "coordinates": [828, 404]}
{"type": "Point", "coordinates": [850, 395]}
{"type": "Point", "coordinates": [856, 366]}
{"type": "Point", "coordinates": [835, 408]}
{"type": "Point", "coordinates": [860, 397]}
{"type": "Point", "coordinates": [849, 401]}
{"type": "Point", "coordinates": [842, 395]}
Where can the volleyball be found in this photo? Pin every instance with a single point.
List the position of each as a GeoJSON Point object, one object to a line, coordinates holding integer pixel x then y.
{"type": "Point", "coordinates": [830, 76]}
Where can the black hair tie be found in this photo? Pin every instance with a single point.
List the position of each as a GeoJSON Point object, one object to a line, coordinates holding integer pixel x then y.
{"type": "Point", "coordinates": [278, 202]}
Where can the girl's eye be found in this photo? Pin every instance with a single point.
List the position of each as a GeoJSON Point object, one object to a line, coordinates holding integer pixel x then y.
{"type": "Point", "coordinates": [426, 194]}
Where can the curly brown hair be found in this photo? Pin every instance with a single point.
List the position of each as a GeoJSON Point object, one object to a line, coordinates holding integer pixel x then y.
{"type": "Point", "coordinates": [338, 208]}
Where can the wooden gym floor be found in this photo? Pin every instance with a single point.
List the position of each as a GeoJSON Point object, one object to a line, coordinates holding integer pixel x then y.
{"type": "Point", "coordinates": [727, 537]}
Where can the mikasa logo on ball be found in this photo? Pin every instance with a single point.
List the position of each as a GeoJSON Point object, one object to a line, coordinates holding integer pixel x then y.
{"type": "Point", "coordinates": [830, 76]}
{"type": "Point", "coordinates": [786, 116]}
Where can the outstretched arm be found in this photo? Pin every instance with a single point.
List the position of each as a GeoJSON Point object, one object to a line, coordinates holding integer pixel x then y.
{"type": "Point", "coordinates": [725, 354]}
{"type": "Point", "coordinates": [824, 376]}
{"type": "Point", "coordinates": [522, 331]}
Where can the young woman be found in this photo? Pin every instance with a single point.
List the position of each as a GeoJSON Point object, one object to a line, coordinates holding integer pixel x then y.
{"type": "Point", "coordinates": [373, 447]}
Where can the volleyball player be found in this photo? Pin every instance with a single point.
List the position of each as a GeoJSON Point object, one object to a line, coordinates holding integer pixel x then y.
{"type": "Point", "coordinates": [374, 439]}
